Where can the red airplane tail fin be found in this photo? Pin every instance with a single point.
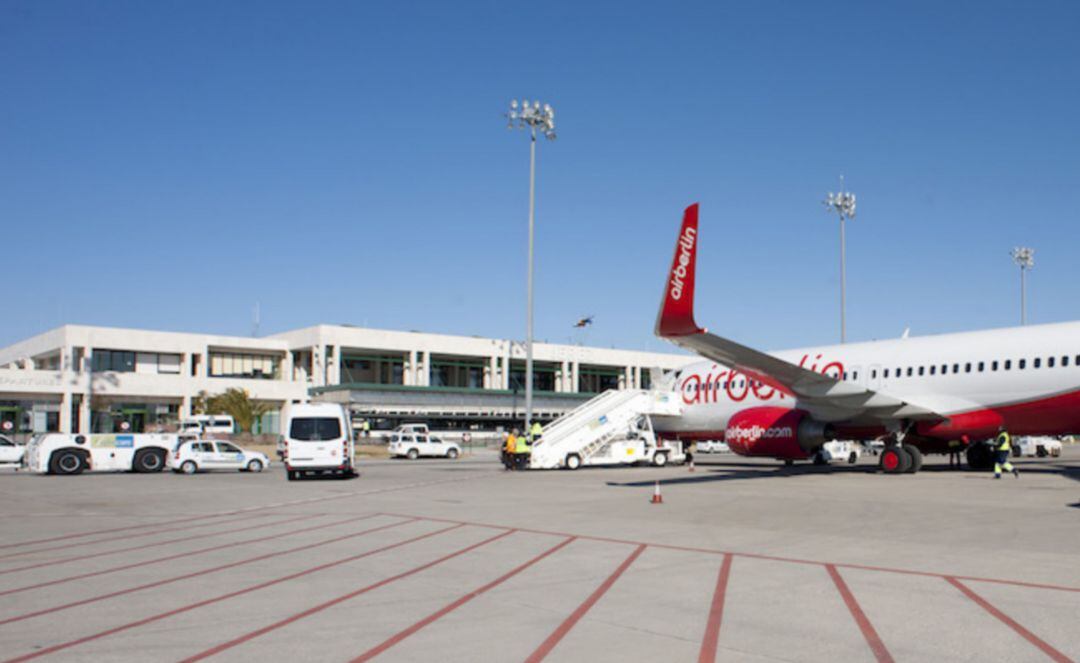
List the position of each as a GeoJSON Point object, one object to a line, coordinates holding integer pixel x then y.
{"type": "Point", "coordinates": [676, 316]}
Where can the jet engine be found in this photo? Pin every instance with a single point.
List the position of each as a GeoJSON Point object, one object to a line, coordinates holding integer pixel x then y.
{"type": "Point", "coordinates": [775, 432]}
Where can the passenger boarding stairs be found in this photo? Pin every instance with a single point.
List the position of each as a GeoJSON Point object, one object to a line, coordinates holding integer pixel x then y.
{"type": "Point", "coordinates": [587, 429]}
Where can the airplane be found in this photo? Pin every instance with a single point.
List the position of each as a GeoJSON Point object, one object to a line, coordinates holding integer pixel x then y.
{"type": "Point", "coordinates": [584, 322]}
{"type": "Point", "coordinates": [917, 394]}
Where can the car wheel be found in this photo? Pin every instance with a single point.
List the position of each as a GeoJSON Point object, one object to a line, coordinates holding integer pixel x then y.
{"type": "Point", "coordinates": [413, 454]}
{"type": "Point", "coordinates": [659, 459]}
{"type": "Point", "coordinates": [452, 454]}
{"type": "Point", "coordinates": [189, 467]}
{"type": "Point", "coordinates": [573, 462]}
{"type": "Point", "coordinates": [149, 460]}
{"type": "Point", "coordinates": [255, 466]}
{"type": "Point", "coordinates": [67, 462]}
{"type": "Point", "coordinates": [853, 458]}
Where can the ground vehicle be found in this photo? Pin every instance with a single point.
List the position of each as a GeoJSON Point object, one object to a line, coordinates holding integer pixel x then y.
{"type": "Point", "coordinates": [712, 447]}
{"type": "Point", "coordinates": [318, 440]}
{"type": "Point", "coordinates": [838, 450]}
{"type": "Point", "coordinates": [198, 455]}
{"type": "Point", "coordinates": [631, 451]}
{"type": "Point", "coordinates": [10, 453]}
{"type": "Point", "coordinates": [211, 424]}
{"type": "Point", "coordinates": [61, 453]}
{"type": "Point", "coordinates": [1039, 446]}
{"type": "Point", "coordinates": [415, 445]}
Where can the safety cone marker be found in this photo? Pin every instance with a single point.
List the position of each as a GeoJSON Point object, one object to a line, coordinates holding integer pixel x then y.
{"type": "Point", "coordinates": [657, 498]}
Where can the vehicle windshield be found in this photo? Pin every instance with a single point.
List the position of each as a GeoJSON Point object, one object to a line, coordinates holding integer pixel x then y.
{"type": "Point", "coordinates": [315, 429]}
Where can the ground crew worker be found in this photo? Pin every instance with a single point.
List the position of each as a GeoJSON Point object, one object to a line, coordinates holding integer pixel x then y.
{"type": "Point", "coordinates": [366, 427]}
{"type": "Point", "coordinates": [509, 449]}
{"type": "Point", "coordinates": [1003, 447]}
{"type": "Point", "coordinates": [536, 431]}
{"type": "Point", "coordinates": [521, 452]}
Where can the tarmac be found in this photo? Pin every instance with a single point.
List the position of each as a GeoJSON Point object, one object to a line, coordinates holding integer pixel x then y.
{"type": "Point", "coordinates": [745, 560]}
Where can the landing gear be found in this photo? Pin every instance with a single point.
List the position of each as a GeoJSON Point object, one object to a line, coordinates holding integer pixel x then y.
{"type": "Point", "coordinates": [819, 459]}
{"type": "Point", "coordinates": [916, 458]}
{"type": "Point", "coordinates": [980, 457]}
{"type": "Point", "coordinates": [894, 460]}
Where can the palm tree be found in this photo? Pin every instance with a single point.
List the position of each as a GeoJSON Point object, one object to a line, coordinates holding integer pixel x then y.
{"type": "Point", "coordinates": [237, 403]}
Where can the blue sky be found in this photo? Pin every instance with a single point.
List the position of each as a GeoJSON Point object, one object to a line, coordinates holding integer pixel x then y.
{"type": "Point", "coordinates": [169, 164]}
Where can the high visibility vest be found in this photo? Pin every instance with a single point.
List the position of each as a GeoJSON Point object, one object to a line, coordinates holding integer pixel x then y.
{"type": "Point", "coordinates": [522, 446]}
{"type": "Point", "coordinates": [537, 430]}
{"type": "Point", "coordinates": [511, 444]}
{"type": "Point", "coordinates": [1004, 442]}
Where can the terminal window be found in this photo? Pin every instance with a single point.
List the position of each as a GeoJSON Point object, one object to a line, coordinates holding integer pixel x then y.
{"type": "Point", "coordinates": [120, 361]}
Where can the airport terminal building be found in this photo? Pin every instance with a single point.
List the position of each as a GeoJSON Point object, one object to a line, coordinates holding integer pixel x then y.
{"type": "Point", "coordinates": [101, 379]}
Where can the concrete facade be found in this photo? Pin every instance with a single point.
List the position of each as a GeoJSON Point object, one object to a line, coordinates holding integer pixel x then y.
{"type": "Point", "coordinates": [76, 378]}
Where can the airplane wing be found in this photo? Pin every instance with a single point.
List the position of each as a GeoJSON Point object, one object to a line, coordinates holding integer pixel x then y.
{"type": "Point", "coordinates": [827, 398]}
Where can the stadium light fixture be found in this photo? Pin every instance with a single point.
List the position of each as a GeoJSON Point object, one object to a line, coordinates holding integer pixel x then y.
{"type": "Point", "coordinates": [1024, 257]}
{"type": "Point", "coordinates": [843, 204]}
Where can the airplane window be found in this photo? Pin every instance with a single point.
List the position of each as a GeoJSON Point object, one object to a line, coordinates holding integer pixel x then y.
{"type": "Point", "coordinates": [855, 375]}
{"type": "Point", "coordinates": [1008, 364]}
{"type": "Point", "coordinates": [932, 368]}
{"type": "Point", "coordinates": [967, 367]}
{"type": "Point", "coordinates": [897, 371]}
{"type": "Point", "coordinates": [909, 371]}
{"type": "Point", "coordinates": [993, 365]}
{"type": "Point", "coordinates": [921, 369]}
{"type": "Point", "coordinates": [1049, 362]}
{"type": "Point", "coordinates": [956, 368]}
{"type": "Point", "coordinates": [1065, 360]}
{"type": "Point", "coordinates": [1021, 364]}
{"type": "Point", "coordinates": [873, 373]}
{"type": "Point", "coordinates": [944, 369]}
{"type": "Point", "coordinates": [981, 365]}
{"type": "Point", "coordinates": [1036, 362]}
{"type": "Point", "coordinates": [845, 375]}
{"type": "Point", "coordinates": [1077, 362]}
{"type": "Point", "coordinates": [886, 372]}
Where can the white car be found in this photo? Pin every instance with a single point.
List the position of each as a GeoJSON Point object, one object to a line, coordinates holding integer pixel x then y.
{"type": "Point", "coordinates": [201, 455]}
{"type": "Point", "coordinates": [1039, 446]}
{"type": "Point", "coordinates": [10, 453]}
{"type": "Point", "coordinates": [712, 447]}
{"type": "Point", "coordinates": [415, 445]}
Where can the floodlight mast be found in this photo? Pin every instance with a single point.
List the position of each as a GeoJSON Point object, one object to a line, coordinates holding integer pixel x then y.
{"type": "Point", "coordinates": [843, 204]}
{"type": "Point", "coordinates": [1024, 257]}
{"type": "Point", "coordinates": [535, 116]}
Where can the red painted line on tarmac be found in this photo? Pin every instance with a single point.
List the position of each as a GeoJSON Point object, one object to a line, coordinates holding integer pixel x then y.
{"type": "Point", "coordinates": [1008, 621]}
{"type": "Point", "coordinates": [68, 537]}
{"type": "Point", "coordinates": [213, 651]}
{"type": "Point", "coordinates": [145, 546]}
{"type": "Point", "coordinates": [401, 635]}
{"type": "Point", "coordinates": [189, 553]}
{"type": "Point", "coordinates": [559, 633]}
{"type": "Point", "coordinates": [872, 638]}
{"type": "Point", "coordinates": [23, 553]}
{"type": "Point", "coordinates": [222, 597]}
{"type": "Point", "coordinates": [791, 560]}
{"type": "Point", "coordinates": [194, 574]}
{"type": "Point", "coordinates": [716, 614]}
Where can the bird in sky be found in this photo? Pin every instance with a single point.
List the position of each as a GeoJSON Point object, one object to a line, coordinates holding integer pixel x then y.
{"type": "Point", "coordinates": [584, 322]}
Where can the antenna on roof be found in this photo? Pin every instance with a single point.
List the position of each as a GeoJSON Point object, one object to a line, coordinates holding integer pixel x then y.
{"type": "Point", "coordinates": [255, 322]}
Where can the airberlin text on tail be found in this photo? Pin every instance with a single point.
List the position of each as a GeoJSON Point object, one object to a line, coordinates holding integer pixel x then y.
{"type": "Point", "coordinates": [677, 308]}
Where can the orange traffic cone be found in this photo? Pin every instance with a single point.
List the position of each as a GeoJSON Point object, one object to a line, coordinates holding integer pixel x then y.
{"type": "Point", "coordinates": [657, 498]}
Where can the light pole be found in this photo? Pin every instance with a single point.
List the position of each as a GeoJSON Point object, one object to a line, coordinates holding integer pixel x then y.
{"type": "Point", "coordinates": [1024, 257]}
{"type": "Point", "coordinates": [844, 205]}
{"type": "Point", "coordinates": [534, 116]}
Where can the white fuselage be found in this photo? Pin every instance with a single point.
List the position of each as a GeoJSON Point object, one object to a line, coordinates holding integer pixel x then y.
{"type": "Point", "coordinates": [948, 373]}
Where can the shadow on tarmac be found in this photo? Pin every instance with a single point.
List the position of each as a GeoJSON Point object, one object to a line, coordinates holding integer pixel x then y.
{"type": "Point", "coordinates": [739, 471]}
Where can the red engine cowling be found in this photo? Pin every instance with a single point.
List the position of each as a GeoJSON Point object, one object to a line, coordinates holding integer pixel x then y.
{"type": "Point", "coordinates": [775, 432]}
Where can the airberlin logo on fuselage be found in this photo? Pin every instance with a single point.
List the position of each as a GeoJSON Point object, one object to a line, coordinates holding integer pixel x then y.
{"type": "Point", "coordinates": [678, 272]}
{"type": "Point", "coordinates": [707, 389]}
{"type": "Point", "coordinates": [756, 432]}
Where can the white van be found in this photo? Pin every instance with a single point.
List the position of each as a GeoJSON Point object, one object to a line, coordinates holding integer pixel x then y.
{"type": "Point", "coordinates": [60, 453]}
{"type": "Point", "coordinates": [318, 440]}
{"type": "Point", "coordinates": [216, 424]}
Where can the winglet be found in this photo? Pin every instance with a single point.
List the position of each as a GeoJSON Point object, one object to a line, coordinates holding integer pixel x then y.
{"type": "Point", "coordinates": [676, 316]}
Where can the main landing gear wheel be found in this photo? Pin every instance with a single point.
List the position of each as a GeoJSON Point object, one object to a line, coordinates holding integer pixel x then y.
{"type": "Point", "coordinates": [980, 457]}
{"type": "Point", "coordinates": [894, 460]}
{"type": "Point", "coordinates": [916, 458]}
